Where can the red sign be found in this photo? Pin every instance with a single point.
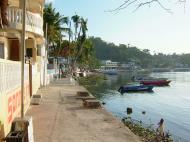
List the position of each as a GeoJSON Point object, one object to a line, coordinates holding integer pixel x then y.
{"type": "Point", "coordinates": [14, 102]}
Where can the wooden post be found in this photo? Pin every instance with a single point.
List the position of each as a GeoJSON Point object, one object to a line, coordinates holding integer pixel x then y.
{"type": "Point", "coordinates": [30, 77]}
{"type": "Point", "coordinates": [2, 133]}
{"type": "Point", "coordinates": [23, 56]}
{"type": "Point", "coordinates": [1, 24]}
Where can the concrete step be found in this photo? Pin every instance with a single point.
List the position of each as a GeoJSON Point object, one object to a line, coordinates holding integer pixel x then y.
{"type": "Point", "coordinates": [91, 104]}
{"type": "Point", "coordinates": [83, 93]}
{"type": "Point", "coordinates": [36, 99]}
{"type": "Point", "coordinates": [85, 98]}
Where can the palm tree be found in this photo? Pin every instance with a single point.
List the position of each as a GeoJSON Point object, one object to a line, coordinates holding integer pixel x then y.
{"type": "Point", "coordinates": [76, 21]}
{"type": "Point", "coordinates": [87, 52]}
{"type": "Point", "coordinates": [54, 21]}
{"type": "Point", "coordinates": [81, 38]}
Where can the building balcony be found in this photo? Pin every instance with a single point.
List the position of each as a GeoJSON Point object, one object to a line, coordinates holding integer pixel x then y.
{"type": "Point", "coordinates": [34, 22]}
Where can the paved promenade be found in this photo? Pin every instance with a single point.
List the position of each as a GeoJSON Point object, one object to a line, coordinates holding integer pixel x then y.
{"type": "Point", "coordinates": [62, 118]}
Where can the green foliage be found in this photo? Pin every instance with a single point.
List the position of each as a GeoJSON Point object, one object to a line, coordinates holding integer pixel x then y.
{"type": "Point", "coordinates": [121, 53]}
{"type": "Point", "coordinates": [86, 58]}
{"type": "Point", "coordinates": [185, 59]}
{"type": "Point", "coordinates": [82, 50]}
{"type": "Point", "coordinates": [54, 22]}
{"type": "Point", "coordinates": [91, 82]}
{"type": "Point", "coordinates": [79, 50]}
{"type": "Point", "coordinates": [126, 53]}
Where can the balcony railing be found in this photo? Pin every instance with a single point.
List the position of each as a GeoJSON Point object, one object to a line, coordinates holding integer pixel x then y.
{"type": "Point", "coordinates": [34, 22]}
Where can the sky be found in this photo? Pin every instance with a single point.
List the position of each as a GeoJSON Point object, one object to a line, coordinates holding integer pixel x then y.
{"type": "Point", "coordinates": [150, 27]}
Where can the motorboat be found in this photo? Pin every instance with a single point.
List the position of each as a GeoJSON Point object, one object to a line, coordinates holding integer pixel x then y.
{"type": "Point", "coordinates": [161, 82]}
{"type": "Point", "coordinates": [135, 88]}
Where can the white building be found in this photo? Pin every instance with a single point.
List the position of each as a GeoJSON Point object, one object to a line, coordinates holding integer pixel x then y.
{"type": "Point", "coordinates": [109, 63]}
{"type": "Point", "coordinates": [10, 57]}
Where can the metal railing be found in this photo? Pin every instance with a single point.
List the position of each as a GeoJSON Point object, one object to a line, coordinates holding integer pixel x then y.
{"type": "Point", "coordinates": [34, 22]}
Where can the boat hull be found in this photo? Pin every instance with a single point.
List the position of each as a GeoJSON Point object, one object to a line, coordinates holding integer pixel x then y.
{"type": "Point", "coordinates": [156, 82]}
{"type": "Point", "coordinates": [135, 88]}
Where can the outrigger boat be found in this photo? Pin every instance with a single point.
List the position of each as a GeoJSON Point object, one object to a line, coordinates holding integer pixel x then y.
{"type": "Point", "coordinates": [135, 88]}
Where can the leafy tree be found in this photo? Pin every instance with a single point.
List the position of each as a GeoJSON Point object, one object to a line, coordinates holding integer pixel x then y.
{"type": "Point", "coordinates": [80, 51]}
{"type": "Point", "coordinates": [185, 59]}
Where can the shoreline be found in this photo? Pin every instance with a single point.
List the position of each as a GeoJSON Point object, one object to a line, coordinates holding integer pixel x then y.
{"type": "Point", "coordinates": [145, 133]}
{"type": "Point", "coordinates": [60, 117]}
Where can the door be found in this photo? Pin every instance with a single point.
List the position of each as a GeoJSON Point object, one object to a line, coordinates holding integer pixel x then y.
{"type": "Point", "coordinates": [14, 50]}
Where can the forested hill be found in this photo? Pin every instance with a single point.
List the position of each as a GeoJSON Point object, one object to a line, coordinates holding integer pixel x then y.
{"type": "Point", "coordinates": [125, 54]}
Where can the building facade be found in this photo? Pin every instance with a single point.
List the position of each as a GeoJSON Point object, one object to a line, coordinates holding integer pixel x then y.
{"type": "Point", "coordinates": [108, 64]}
{"type": "Point", "coordinates": [10, 57]}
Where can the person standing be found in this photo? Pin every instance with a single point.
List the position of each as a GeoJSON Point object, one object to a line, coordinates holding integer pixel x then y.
{"type": "Point", "coordinates": [160, 128]}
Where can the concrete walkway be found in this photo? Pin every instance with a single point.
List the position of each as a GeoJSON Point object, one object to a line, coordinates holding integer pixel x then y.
{"type": "Point", "coordinates": [62, 118]}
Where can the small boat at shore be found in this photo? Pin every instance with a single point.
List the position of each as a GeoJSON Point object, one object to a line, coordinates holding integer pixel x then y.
{"type": "Point", "coordinates": [135, 88]}
{"type": "Point", "coordinates": [155, 82]}
{"type": "Point", "coordinates": [146, 78]}
{"type": "Point", "coordinates": [152, 81]}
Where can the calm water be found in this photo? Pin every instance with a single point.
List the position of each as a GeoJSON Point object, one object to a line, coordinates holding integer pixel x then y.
{"type": "Point", "coordinates": [172, 103]}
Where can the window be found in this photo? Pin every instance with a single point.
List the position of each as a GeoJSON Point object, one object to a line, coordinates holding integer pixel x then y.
{"type": "Point", "coordinates": [29, 52]}
{"type": "Point", "coordinates": [2, 50]}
